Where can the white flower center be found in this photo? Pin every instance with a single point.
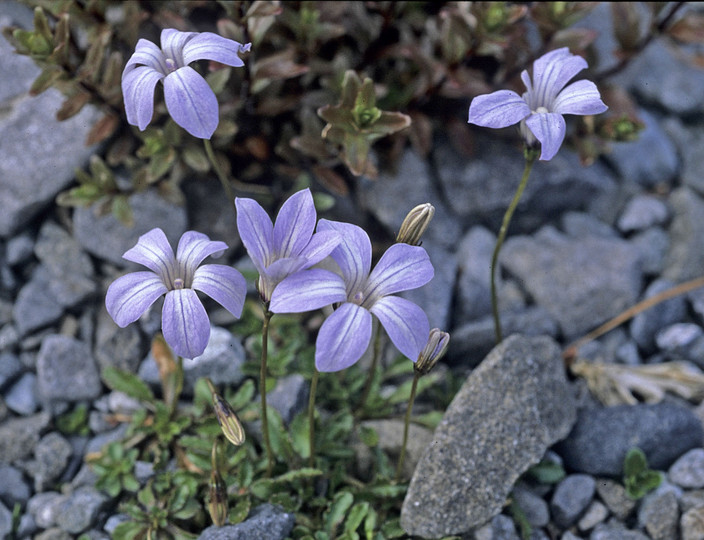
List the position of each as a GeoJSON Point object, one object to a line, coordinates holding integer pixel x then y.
{"type": "Point", "coordinates": [541, 110]}
{"type": "Point", "coordinates": [171, 64]}
{"type": "Point", "coordinates": [178, 283]}
{"type": "Point", "coordinates": [357, 298]}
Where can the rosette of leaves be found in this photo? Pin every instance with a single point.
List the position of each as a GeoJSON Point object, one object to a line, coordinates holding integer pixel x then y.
{"type": "Point", "coordinates": [356, 122]}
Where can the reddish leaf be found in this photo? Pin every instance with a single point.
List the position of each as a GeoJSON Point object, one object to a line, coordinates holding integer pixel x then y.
{"type": "Point", "coordinates": [102, 129]}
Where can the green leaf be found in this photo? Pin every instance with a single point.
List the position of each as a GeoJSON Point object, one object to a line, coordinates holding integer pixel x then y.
{"type": "Point", "coordinates": [241, 510]}
{"type": "Point", "coordinates": [122, 211]}
{"type": "Point", "coordinates": [196, 159]}
{"type": "Point", "coordinates": [128, 530]}
{"type": "Point", "coordinates": [337, 511]}
{"type": "Point", "coordinates": [355, 517]}
{"type": "Point", "coordinates": [127, 383]}
{"type": "Point", "coordinates": [369, 436]}
{"type": "Point", "coordinates": [299, 433]}
{"type": "Point", "coordinates": [243, 396]}
{"type": "Point", "coordinates": [547, 472]}
{"type": "Point", "coordinates": [634, 463]}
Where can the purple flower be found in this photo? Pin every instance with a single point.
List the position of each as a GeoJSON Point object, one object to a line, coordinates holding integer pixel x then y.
{"type": "Point", "coordinates": [189, 99]}
{"type": "Point", "coordinates": [540, 109]}
{"type": "Point", "coordinates": [288, 246]}
{"type": "Point", "coordinates": [345, 335]}
{"type": "Point", "coordinates": [184, 321]}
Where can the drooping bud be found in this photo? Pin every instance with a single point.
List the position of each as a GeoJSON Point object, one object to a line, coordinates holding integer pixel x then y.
{"type": "Point", "coordinates": [415, 224]}
{"type": "Point", "coordinates": [217, 492]}
{"type": "Point", "coordinates": [433, 351]}
{"type": "Point", "coordinates": [227, 417]}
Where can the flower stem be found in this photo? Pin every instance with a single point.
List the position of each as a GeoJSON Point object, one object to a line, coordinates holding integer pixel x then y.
{"type": "Point", "coordinates": [406, 424]}
{"type": "Point", "coordinates": [311, 418]}
{"type": "Point", "coordinates": [262, 390]}
{"type": "Point", "coordinates": [530, 159]}
{"type": "Point", "coordinates": [372, 372]}
{"type": "Point", "coordinates": [226, 182]}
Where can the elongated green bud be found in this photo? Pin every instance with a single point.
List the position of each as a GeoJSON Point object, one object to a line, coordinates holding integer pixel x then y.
{"type": "Point", "coordinates": [433, 351]}
{"type": "Point", "coordinates": [415, 224]}
{"type": "Point", "coordinates": [217, 492]}
{"type": "Point", "coordinates": [227, 417]}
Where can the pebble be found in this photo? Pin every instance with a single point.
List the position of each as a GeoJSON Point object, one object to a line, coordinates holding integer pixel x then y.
{"type": "Point", "coordinates": [532, 505]}
{"type": "Point", "coordinates": [595, 513]}
{"type": "Point", "coordinates": [21, 398]}
{"type": "Point", "coordinates": [289, 397]}
{"type": "Point", "coordinates": [646, 324]}
{"type": "Point", "coordinates": [688, 470]}
{"type": "Point", "coordinates": [685, 259]}
{"type": "Point", "coordinates": [571, 498]}
{"type": "Point", "coordinates": [44, 507]}
{"type": "Point", "coordinates": [78, 511]}
{"type": "Point", "coordinates": [66, 370]}
{"type": "Point", "coordinates": [13, 488]}
{"type": "Point", "coordinates": [19, 436]}
{"type": "Point", "coordinates": [659, 515]}
{"type": "Point", "coordinates": [643, 212]}
{"type": "Point", "coordinates": [266, 522]}
{"type": "Point", "coordinates": [10, 368]}
{"type": "Point", "coordinates": [652, 246]}
{"type": "Point", "coordinates": [692, 524]}
{"type": "Point", "coordinates": [499, 528]}
{"type": "Point", "coordinates": [36, 306]}
{"type": "Point", "coordinates": [51, 456]}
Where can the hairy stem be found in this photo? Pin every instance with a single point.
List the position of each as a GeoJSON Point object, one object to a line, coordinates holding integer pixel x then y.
{"type": "Point", "coordinates": [406, 425]}
{"type": "Point", "coordinates": [311, 417]}
{"type": "Point", "coordinates": [530, 159]}
{"type": "Point", "coordinates": [262, 390]}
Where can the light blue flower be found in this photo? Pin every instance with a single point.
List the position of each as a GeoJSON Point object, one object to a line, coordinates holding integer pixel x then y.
{"type": "Point", "coordinates": [184, 322]}
{"type": "Point", "coordinates": [541, 107]}
{"type": "Point", "coordinates": [189, 100]}
{"type": "Point", "coordinates": [359, 293]}
{"type": "Point", "coordinates": [289, 246]}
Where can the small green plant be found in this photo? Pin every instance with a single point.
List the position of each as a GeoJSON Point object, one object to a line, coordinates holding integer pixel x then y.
{"type": "Point", "coordinates": [637, 477]}
{"type": "Point", "coordinates": [115, 469]}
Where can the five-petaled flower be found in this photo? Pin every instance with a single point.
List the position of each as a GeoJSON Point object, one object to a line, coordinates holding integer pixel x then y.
{"type": "Point", "coordinates": [541, 107]}
{"type": "Point", "coordinates": [189, 99]}
{"type": "Point", "coordinates": [345, 334]}
{"type": "Point", "coordinates": [286, 247]}
{"type": "Point", "coordinates": [185, 323]}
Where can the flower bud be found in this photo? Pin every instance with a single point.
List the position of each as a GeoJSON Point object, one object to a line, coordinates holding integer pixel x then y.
{"type": "Point", "coordinates": [433, 351]}
{"type": "Point", "coordinates": [227, 418]}
{"type": "Point", "coordinates": [217, 493]}
{"type": "Point", "coordinates": [415, 224]}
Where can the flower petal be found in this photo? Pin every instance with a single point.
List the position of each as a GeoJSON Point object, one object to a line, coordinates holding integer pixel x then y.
{"type": "Point", "coordinates": [581, 97]}
{"type": "Point", "coordinates": [282, 268]}
{"type": "Point", "coordinates": [154, 251]}
{"type": "Point", "coordinates": [256, 231]}
{"type": "Point", "coordinates": [294, 224]}
{"type": "Point", "coordinates": [551, 72]}
{"type": "Point", "coordinates": [173, 43]}
{"type": "Point", "coordinates": [193, 248]}
{"type": "Point", "coordinates": [549, 129]}
{"type": "Point", "coordinates": [191, 102]}
{"type": "Point", "coordinates": [353, 254]}
{"type": "Point", "coordinates": [320, 246]}
{"type": "Point", "coordinates": [307, 291]}
{"type": "Point", "coordinates": [209, 46]}
{"type": "Point", "coordinates": [406, 324]}
{"type": "Point", "coordinates": [223, 284]}
{"type": "Point", "coordinates": [185, 323]}
{"type": "Point", "coordinates": [401, 268]}
{"type": "Point", "coordinates": [148, 54]}
{"type": "Point", "coordinates": [129, 296]}
{"type": "Point", "coordinates": [498, 110]}
{"type": "Point", "coordinates": [138, 93]}
{"type": "Point", "coordinates": [343, 338]}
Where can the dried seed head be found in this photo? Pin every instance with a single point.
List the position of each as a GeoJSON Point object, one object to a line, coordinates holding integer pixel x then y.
{"type": "Point", "coordinates": [227, 417]}
{"type": "Point", "coordinates": [433, 351]}
{"type": "Point", "coordinates": [415, 224]}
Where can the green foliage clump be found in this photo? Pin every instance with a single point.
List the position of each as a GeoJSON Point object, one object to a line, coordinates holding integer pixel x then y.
{"type": "Point", "coordinates": [638, 479]}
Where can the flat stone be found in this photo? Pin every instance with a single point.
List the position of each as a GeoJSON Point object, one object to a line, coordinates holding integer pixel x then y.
{"type": "Point", "coordinates": [645, 324]}
{"type": "Point", "coordinates": [36, 306]}
{"type": "Point", "coordinates": [571, 498]}
{"type": "Point", "coordinates": [13, 488]}
{"type": "Point", "coordinates": [22, 396]}
{"type": "Point", "coordinates": [643, 212]}
{"type": "Point", "coordinates": [685, 259]}
{"type": "Point", "coordinates": [51, 456]}
{"type": "Point", "coordinates": [580, 283]}
{"type": "Point", "coordinates": [509, 411]}
{"type": "Point", "coordinates": [615, 497]}
{"type": "Point", "coordinates": [658, 514]}
{"type": "Point", "coordinates": [79, 510]}
{"type": "Point", "coordinates": [692, 524]}
{"type": "Point", "coordinates": [602, 437]}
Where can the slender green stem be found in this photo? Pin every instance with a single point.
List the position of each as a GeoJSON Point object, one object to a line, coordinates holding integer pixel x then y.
{"type": "Point", "coordinates": [406, 424]}
{"type": "Point", "coordinates": [530, 159]}
{"type": "Point", "coordinates": [262, 390]}
{"type": "Point", "coordinates": [311, 417]}
{"type": "Point", "coordinates": [221, 175]}
{"type": "Point", "coordinates": [226, 182]}
{"type": "Point", "coordinates": [372, 372]}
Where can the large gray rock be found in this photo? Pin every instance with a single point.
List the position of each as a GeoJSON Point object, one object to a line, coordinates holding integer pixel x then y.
{"type": "Point", "coordinates": [266, 522]}
{"type": "Point", "coordinates": [513, 407]}
{"type": "Point", "coordinates": [580, 283]}
{"type": "Point", "coordinates": [66, 370]}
